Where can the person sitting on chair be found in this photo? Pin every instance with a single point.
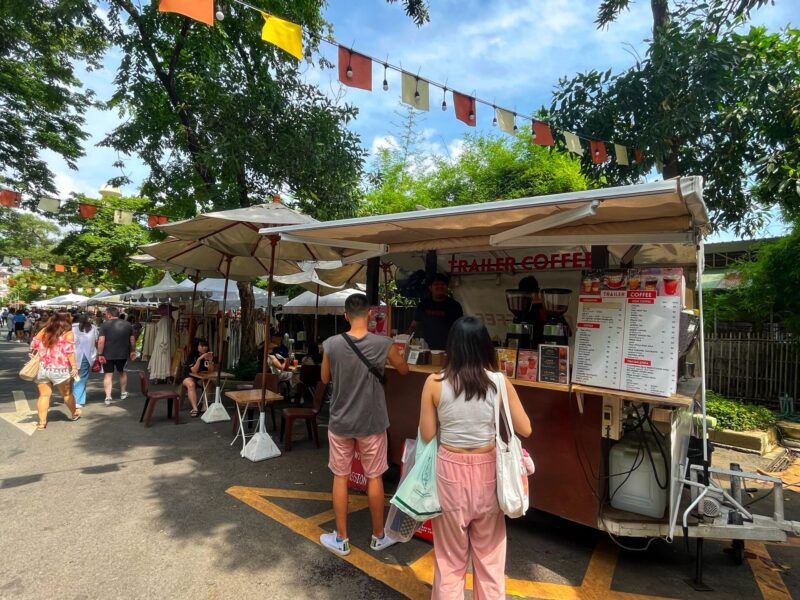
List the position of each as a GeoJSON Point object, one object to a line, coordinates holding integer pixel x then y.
{"type": "Point", "coordinates": [200, 361]}
{"type": "Point", "coordinates": [279, 365]}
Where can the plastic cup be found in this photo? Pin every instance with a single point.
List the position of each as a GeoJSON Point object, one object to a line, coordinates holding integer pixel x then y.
{"type": "Point", "coordinates": [670, 285]}
{"type": "Point", "coordinates": [509, 368]}
{"type": "Point", "coordinates": [523, 369]}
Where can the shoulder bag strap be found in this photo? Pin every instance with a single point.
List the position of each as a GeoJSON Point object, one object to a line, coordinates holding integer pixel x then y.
{"type": "Point", "coordinates": [372, 368]}
{"type": "Point", "coordinates": [502, 400]}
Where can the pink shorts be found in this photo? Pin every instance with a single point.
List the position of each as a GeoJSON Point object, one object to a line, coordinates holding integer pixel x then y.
{"type": "Point", "coordinates": [372, 448]}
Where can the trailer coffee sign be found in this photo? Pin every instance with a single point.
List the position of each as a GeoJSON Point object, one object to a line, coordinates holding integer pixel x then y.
{"type": "Point", "coordinates": [510, 264]}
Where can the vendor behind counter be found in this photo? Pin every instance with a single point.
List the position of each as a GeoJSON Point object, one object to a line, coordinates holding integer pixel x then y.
{"type": "Point", "coordinates": [436, 314]}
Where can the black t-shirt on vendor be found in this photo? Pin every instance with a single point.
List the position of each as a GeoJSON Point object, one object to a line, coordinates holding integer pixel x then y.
{"type": "Point", "coordinates": [436, 319]}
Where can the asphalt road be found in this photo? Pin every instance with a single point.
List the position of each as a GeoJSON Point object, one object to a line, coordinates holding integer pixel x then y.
{"type": "Point", "coordinates": [104, 508]}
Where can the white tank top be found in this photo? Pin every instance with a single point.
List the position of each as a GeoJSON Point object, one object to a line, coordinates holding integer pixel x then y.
{"type": "Point", "coordinates": [466, 423]}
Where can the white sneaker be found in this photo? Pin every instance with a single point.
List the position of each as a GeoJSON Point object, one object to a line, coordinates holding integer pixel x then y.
{"type": "Point", "coordinates": [123, 395]}
{"type": "Point", "coordinates": [380, 543]}
{"type": "Point", "coordinates": [335, 544]}
{"type": "Point", "coordinates": [108, 401]}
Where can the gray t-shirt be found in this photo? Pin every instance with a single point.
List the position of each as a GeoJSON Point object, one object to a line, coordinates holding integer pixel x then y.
{"type": "Point", "coordinates": [358, 404]}
{"type": "Point", "coordinates": [118, 338]}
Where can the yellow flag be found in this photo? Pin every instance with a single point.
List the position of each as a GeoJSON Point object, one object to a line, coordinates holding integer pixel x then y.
{"type": "Point", "coordinates": [285, 35]}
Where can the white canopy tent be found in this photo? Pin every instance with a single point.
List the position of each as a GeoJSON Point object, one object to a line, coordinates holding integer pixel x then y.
{"type": "Point", "coordinates": [306, 303]}
{"type": "Point", "coordinates": [159, 292]}
{"type": "Point", "coordinates": [63, 300]}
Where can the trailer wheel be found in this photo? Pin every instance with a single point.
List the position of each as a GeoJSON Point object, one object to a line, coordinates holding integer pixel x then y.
{"type": "Point", "coordinates": [737, 552]}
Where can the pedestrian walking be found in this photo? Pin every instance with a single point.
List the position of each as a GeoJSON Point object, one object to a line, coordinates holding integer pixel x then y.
{"type": "Point", "coordinates": [115, 346]}
{"type": "Point", "coordinates": [10, 324]}
{"type": "Point", "coordinates": [27, 327]}
{"type": "Point", "coordinates": [358, 418]}
{"type": "Point", "coordinates": [458, 405]}
{"type": "Point", "coordinates": [19, 325]}
{"type": "Point", "coordinates": [56, 347]}
{"type": "Point", "coordinates": [86, 335]}
{"type": "Point", "coordinates": [3, 316]}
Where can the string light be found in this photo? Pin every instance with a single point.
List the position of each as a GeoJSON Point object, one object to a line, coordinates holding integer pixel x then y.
{"type": "Point", "coordinates": [494, 118]}
{"type": "Point", "coordinates": [471, 115]}
{"type": "Point", "coordinates": [444, 102]}
{"type": "Point", "coordinates": [220, 14]}
{"type": "Point", "coordinates": [385, 81]}
{"type": "Point", "coordinates": [349, 72]}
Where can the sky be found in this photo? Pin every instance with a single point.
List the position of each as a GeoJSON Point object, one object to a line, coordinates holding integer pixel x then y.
{"type": "Point", "coordinates": [510, 52]}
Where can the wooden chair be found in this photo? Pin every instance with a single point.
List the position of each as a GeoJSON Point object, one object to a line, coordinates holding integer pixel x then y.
{"type": "Point", "coordinates": [152, 398]}
{"type": "Point", "coordinates": [292, 414]}
{"type": "Point", "coordinates": [310, 376]}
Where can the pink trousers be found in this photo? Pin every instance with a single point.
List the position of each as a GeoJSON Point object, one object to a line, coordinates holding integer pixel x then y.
{"type": "Point", "coordinates": [471, 526]}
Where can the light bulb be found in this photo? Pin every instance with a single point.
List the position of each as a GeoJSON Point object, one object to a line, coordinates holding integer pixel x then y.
{"type": "Point", "coordinates": [597, 152]}
{"type": "Point", "coordinates": [471, 115]}
{"type": "Point", "coordinates": [385, 86]}
{"type": "Point", "coordinates": [494, 122]}
{"type": "Point", "coordinates": [417, 96]}
{"type": "Point", "coordinates": [533, 136]}
{"type": "Point", "coordinates": [349, 72]}
{"type": "Point", "coordinates": [444, 104]}
{"type": "Point", "coordinates": [516, 128]}
{"type": "Point", "coordinates": [220, 15]}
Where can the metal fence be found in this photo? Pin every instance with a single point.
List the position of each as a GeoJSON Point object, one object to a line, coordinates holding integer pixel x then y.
{"type": "Point", "coordinates": [757, 367]}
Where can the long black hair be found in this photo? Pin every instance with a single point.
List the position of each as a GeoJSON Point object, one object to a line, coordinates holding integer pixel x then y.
{"type": "Point", "coordinates": [469, 355]}
{"type": "Point", "coordinates": [85, 323]}
{"type": "Point", "coordinates": [195, 353]}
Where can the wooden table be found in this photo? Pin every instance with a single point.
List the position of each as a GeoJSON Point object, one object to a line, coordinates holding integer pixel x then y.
{"type": "Point", "coordinates": [206, 378]}
{"type": "Point", "coordinates": [244, 399]}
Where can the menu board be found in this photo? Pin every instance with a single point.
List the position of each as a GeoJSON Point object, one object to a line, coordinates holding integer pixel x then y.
{"type": "Point", "coordinates": [599, 335]}
{"type": "Point", "coordinates": [507, 361]}
{"type": "Point", "coordinates": [554, 364]}
{"type": "Point", "coordinates": [627, 330]}
{"type": "Point", "coordinates": [528, 365]}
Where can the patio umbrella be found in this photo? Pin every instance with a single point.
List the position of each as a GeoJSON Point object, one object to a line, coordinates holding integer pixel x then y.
{"type": "Point", "coordinates": [233, 235]}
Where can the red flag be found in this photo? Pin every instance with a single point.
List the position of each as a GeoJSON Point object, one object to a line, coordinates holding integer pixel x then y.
{"type": "Point", "coordinates": [10, 198]}
{"type": "Point", "coordinates": [27, 262]}
{"type": "Point", "coordinates": [87, 211]}
{"type": "Point", "coordinates": [598, 149]}
{"type": "Point", "coordinates": [355, 69]}
{"type": "Point", "coordinates": [59, 268]}
{"type": "Point", "coordinates": [153, 220]}
{"type": "Point", "coordinates": [465, 108]}
{"type": "Point", "coordinates": [199, 10]}
{"type": "Point", "coordinates": [639, 155]}
{"type": "Point", "coordinates": [542, 136]}
{"type": "Point", "coordinates": [88, 271]}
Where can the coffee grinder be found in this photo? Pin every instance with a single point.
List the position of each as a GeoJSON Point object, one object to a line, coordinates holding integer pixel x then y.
{"type": "Point", "coordinates": [520, 333]}
{"type": "Point", "coordinates": [556, 303]}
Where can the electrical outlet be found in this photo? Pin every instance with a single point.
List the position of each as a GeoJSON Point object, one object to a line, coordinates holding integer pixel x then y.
{"type": "Point", "coordinates": [612, 423]}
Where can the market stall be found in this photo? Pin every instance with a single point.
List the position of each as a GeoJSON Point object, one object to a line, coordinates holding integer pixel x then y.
{"type": "Point", "coordinates": [603, 374]}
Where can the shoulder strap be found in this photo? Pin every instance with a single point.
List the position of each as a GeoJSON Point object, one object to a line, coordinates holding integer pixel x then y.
{"type": "Point", "coordinates": [372, 368]}
{"type": "Point", "coordinates": [501, 408]}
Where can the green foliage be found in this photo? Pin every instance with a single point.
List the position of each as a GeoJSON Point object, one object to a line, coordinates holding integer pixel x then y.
{"type": "Point", "coordinates": [769, 286]}
{"type": "Point", "coordinates": [489, 168]}
{"type": "Point", "coordinates": [42, 103]}
{"type": "Point", "coordinates": [223, 119]}
{"type": "Point", "coordinates": [707, 100]}
{"type": "Point", "coordinates": [736, 416]}
{"type": "Point", "coordinates": [104, 246]}
{"type": "Point", "coordinates": [416, 9]}
{"type": "Point", "coordinates": [25, 235]}
{"type": "Point", "coordinates": [247, 370]}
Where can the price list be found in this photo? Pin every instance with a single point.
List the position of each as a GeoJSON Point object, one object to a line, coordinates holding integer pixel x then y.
{"type": "Point", "coordinates": [599, 336]}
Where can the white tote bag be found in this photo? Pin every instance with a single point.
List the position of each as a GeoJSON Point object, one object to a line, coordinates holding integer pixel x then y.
{"type": "Point", "coordinates": [512, 479]}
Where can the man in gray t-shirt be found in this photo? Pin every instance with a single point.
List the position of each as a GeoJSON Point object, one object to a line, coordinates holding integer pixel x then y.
{"type": "Point", "coordinates": [358, 418]}
{"type": "Point", "coordinates": [115, 346]}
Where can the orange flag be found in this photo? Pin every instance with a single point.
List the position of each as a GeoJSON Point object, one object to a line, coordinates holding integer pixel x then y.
{"type": "Point", "coordinates": [465, 108]}
{"type": "Point", "coordinates": [542, 136]}
{"type": "Point", "coordinates": [199, 10]}
{"type": "Point", "coordinates": [355, 69]}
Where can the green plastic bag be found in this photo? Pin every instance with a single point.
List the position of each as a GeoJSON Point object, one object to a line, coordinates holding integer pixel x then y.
{"type": "Point", "coordinates": [416, 495]}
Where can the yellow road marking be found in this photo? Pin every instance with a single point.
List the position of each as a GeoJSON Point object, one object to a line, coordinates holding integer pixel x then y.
{"type": "Point", "coordinates": [23, 418]}
{"type": "Point", "coordinates": [768, 579]}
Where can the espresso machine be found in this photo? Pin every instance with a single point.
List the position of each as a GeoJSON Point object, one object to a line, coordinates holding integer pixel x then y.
{"type": "Point", "coordinates": [520, 333]}
{"type": "Point", "coordinates": [556, 303]}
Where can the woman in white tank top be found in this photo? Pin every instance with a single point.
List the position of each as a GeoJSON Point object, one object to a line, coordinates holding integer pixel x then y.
{"type": "Point", "coordinates": [458, 406]}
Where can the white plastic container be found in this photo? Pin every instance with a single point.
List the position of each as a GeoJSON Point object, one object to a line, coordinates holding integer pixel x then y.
{"type": "Point", "coordinates": [640, 492]}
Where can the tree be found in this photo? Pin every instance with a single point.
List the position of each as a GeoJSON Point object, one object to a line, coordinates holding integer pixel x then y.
{"type": "Point", "coordinates": [42, 103]}
{"type": "Point", "coordinates": [24, 235]}
{"type": "Point", "coordinates": [105, 247]}
{"type": "Point", "coordinates": [706, 100]}
{"type": "Point", "coordinates": [489, 168]}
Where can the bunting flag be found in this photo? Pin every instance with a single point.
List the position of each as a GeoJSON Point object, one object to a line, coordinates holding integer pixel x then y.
{"type": "Point", "coordinates": [415, 91]}
{"type": "Point", "coordinates": [465, 108]}
{"type": "Point", "coordinates": [355, 69]}
{"type": "Point", "coordinates": [621, 154]}
{"type": "Point", "coordinates": [573, 143]}
{"type": "Point", "coordinates": [10, 198]}
{"type": "Point", "coordinates": [27, 262]}
{"type": "Point", "coordinates": [506, 120]}
{"type": "Point", "coordinates": [59, 268]}
{"type": "Point", "coordinates": [284, 34]}
{"type": "Point", "coordinates": [50, 205]}
{"type": "Point", "coordinates": [43, 266]}
{"type": "Point", "coordinates": [73, 269]}
{"type": "Point", "coordinates": [123, 217]}
{"type": "Point", "coordinates": [638, 155]}
{"type": "Point", "coordinates": [153, 220]}
{"type": "Point", "coordinates": [87, 211]}
{"type": "Point", "coordinates": [542, 136]}
{"type": "Point", "coordinates": [88, 271]}
{"type": "Point", "coordinates": [598, 149]}
{"type": "Point", "coordinates": [199, 10]}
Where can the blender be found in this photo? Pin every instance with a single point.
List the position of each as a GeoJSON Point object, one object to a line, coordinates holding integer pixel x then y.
{"type": "Point", "coordinates": [520, 332]}
{"type": "Point", "coordinates": [556, 304]}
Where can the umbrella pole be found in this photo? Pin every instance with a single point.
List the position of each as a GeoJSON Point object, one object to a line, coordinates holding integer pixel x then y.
{"type": "Point", "coordinates": [216, 412]}
{"type": "Point", "coordinates": [316, 316]}
{"type": "Point", "coordinates": [273, 240]}
{"type": "Point", "coordinates": [386, 298]}
{"type": "Point", "coordinates": [192, 320]}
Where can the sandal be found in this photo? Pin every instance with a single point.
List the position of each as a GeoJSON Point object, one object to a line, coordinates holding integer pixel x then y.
{"type": "Point", "coordinates": [194, 413]}
{"type": "Point", "coordinates": [41, 426]}
{"type": "Point", "coordinates": [75, 416]}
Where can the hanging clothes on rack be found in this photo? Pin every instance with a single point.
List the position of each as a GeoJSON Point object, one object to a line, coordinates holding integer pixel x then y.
{"type": "Point", "coordinates": [161, 358]}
